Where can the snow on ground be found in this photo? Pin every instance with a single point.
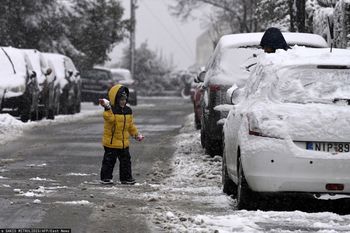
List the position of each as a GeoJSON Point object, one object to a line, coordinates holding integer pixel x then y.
{"type": "Point", "coordinates": [80, 174]}
{"type": "Point", "coordinates": [191, 199]}
{"type": "Point", "coordinates": [11, 127]}
{"type": "Point", "coordinates": [82, 202]}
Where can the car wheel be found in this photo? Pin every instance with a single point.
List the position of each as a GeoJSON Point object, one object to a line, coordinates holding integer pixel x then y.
{"type": "Point", "coordinates": [245, 198]}
{"type": "Point", "coordinates": [25, 111]}
{"type": "Point", "coordinates": [51, 114]}
{"type": "Point", "coordinates": [71, 109]}
{"type": "Point", "coordinates": [212, 147]}
{"type": "Point", "coordinates": [28, 108]}
{"type": "Point", "coordinates": [78, 107]}
{"type": "Point", "coordinates": [202, 134]}
{"type": "Point", "coordinates": [228, 186]}
{"type": "Point", "coordinates": [56, 105]}
{"type": "Point", "coordinates": [197, 121]}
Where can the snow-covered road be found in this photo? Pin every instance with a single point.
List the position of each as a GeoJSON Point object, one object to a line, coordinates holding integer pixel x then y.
{"type": "Point", "coordinates": [190, 197]}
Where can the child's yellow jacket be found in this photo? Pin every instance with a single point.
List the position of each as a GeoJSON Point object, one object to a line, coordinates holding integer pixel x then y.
{"type": "Point", "coordinates": [118, 122]}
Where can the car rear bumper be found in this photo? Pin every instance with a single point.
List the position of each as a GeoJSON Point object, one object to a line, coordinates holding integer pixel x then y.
{"type": "Point", "coordinates": [275, 165]}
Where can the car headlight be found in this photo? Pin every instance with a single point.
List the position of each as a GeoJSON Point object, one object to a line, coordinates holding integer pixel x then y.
{"type": "Point", "coordinates": [272, 127]}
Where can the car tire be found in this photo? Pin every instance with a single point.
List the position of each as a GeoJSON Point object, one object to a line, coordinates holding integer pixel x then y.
{"type": "Point", "coordinates": [228, 186]}
{"type": "Point", "coordinates": [51, 114]}
{"type": "Point", "coordinates": [28, 108]}
{"type": "Point", "coordinates": [78, 107]}
{"type": "Point", "coordinates": [197, 121]}
{"type": "Point", "coordinates": [202, 133]}
{"type": "Point", "coordinates": [212, 147]}
{"type": "Point", "coordinates": [71, 109]}
{"type": "Point", "coordinates": [245, 196]}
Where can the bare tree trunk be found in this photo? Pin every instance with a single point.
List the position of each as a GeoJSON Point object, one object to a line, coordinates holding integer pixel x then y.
{"type": "Point", "coordinates": [300, 4]}
{"type": "Point", "coordinates": [292, 15]}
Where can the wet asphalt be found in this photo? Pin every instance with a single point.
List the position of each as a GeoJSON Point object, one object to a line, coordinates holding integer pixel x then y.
{"type": "Point", "coordinates": [49, 175]}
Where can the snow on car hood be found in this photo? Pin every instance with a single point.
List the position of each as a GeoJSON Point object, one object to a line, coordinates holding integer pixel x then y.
{"type": "Point", "coordinates": [303, 122]}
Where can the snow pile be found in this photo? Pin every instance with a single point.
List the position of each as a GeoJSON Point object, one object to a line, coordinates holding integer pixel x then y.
{"type": "Point", "coordinates": [11, 128]}
{"type": "Point", "coordinates": [41, 179]}
{"type": "Point", "coordinates": [193, 187]}
{"type": "Point", "coordinates": [82, 202]}
{"type": "Point", "coordinates": [37, 165]}
{"type": "Point", "coordinates": [78, 174]}
{"type": "Point", "coordinates": [191, 200]}
{"type": "Point", "coordinates": [38, 192]}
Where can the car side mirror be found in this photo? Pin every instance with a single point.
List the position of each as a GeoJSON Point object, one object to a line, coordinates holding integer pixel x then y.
{"type": "Point", "coordinates": [70, 73]}
{"type": "Point", "coordinates": [232, 94]}
{"type": "Point", "coordinates": [201, 76]}
{"type": "Point", "coordinates": [48, 71]}
{"type": "Point", "coordinates": [32, 75]}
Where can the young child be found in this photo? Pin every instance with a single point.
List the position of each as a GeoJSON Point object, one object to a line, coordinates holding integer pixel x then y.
{"type": "Point", "coordinates": [118, 127]}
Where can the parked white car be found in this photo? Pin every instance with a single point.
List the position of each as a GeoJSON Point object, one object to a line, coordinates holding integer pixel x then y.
{"type": "Point", "coordinates": [68, 78]}
{"type": "Point", "coordinates": [231, 62]}
{"type": "Point", "coordinates": [19, 84]}
{"type": "Point", "coordinates": [46, 81]}
{"type": "Point", "coordinates": [289, 128]}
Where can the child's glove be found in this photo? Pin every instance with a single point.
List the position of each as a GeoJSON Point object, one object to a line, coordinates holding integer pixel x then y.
{"type": "Point", "coordinates": [139, 137]}
{"type": "Point", "coordinates": [105, 103]}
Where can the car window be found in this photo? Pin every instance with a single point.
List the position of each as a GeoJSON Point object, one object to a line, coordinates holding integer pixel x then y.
{"type": "Point", "coordinates": [69, 64]}
{"type": "Point", "coordinates": [17, 58]}
{"type": "Point", "coordinates": [232, 63]}
{"type": "Point", "coordinates": [313, 84]}
{"type": "Point", "coordinates": [121, 75]}
{"type": "Point", "coordinates": [96, 74]}
{"type": "Point", "coordinates": [5, 64]}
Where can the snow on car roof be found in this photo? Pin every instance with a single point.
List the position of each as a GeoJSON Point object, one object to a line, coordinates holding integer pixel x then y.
{"type": "Point", "coordinates": [57, 61]}
{"type": "Point", "coordinates": [34, 57]}
{"type": "Point", "coordinates": [253, 39]}
{"type": "Point", "coordinates": [231, 60]}
{"type": "Point", "coordinates": [307, 56]}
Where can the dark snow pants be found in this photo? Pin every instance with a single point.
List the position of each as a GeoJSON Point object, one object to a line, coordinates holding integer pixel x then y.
{"type": "Point", "coordinates": [109, 160]}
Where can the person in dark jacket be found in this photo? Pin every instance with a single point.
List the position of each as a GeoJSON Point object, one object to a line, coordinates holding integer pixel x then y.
{"type": "Point", "coordinates": [272, 40]}
{"type": "Point", "coordinates": [118, 127]}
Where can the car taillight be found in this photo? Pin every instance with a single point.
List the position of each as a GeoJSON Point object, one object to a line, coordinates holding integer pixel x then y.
{"type": "Point", "coordinates": [335, 187]}
{"type": "Point", "coordinates": [253, 128]}
{"type": "Point", "coordinates": [255, 133]}
{"type": "Point", "coordinates": [214, 88]}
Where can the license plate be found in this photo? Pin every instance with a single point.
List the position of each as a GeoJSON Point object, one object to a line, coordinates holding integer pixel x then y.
{"type": "Point", "coordinates": [333, 147]}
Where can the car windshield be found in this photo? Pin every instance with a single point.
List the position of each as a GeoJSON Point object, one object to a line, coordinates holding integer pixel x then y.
{"type": "Point", "coordinates": [234, 62]}
{"type": "Point", "coordinates": [5, 64]}
{"type": "Point", "coordinates": [121, 75]}
{"type": "Point", "coordinates": [96, 74]}
{"type": "Point", "coordinates": [322, 84]}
